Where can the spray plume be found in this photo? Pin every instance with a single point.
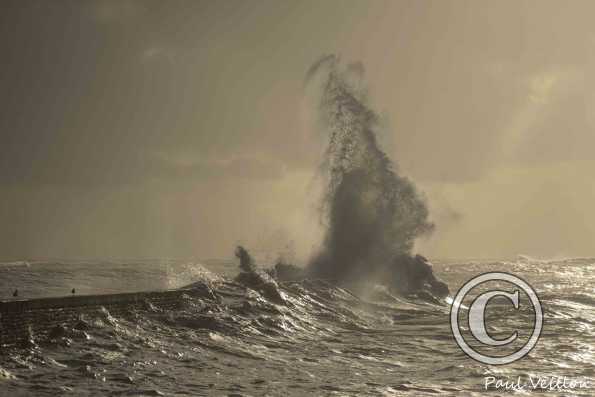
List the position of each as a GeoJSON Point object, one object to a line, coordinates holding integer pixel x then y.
{"type": "Point", "coordinates": [371, 213]}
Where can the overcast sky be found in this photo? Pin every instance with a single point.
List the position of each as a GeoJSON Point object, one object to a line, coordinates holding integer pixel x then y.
{"type": "Point", "coordinates": [176, 128]}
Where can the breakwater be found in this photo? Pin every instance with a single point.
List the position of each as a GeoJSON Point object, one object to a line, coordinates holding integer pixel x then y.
{"type": "Point", "coordinates": [22, 320]}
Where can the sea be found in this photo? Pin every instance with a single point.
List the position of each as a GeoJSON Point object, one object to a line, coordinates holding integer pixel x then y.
{"type": "Point", "coordinates": [322, 340]}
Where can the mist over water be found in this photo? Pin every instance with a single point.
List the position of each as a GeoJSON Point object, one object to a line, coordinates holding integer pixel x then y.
{"type": "Point", "coordinates": [371, 213]}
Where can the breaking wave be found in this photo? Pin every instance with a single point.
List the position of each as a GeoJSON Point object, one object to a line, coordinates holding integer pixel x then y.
{"type": "Point", "coordinates": [372, 215]}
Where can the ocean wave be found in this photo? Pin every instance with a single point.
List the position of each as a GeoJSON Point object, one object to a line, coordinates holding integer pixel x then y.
{"type": "Point", "coordinates": [320, 336]}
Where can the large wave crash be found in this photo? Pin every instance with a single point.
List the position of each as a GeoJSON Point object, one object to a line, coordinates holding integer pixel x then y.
{"type": "Point", "coordinates": [372, 215]}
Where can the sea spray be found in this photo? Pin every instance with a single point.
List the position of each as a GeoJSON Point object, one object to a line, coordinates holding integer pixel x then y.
{"type": "Point", "coordinates": [372, 214]}
{"type": "Point", "coordinates": [253, 277]}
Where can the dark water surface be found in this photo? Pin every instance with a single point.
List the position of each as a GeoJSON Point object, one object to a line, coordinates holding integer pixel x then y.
{"type": "Point", "coordinates": [323, 341]}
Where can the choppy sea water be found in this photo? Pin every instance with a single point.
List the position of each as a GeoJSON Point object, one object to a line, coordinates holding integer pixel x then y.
{"type": "Point", "coordinates": [324, 341]}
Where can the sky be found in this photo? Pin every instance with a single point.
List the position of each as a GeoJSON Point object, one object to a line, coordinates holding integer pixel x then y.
{"type": "Point", "coordinates": [137, 129]}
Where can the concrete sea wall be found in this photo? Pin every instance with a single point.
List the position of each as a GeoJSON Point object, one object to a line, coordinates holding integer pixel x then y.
{"type": "Point", "coordinates": [21, 319]}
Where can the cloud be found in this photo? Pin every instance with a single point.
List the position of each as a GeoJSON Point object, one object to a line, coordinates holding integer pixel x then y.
{"type": "Point", "coordinates": [109, 11]}
{"type": "Point", "coordinates": [132, 168]}
{"type": "Point", "coordinates": [542, 85]}
{"type": "Point", "coordinates": [553, 123]}
{"type": "Point", "coordinates": [158, 53]}
{"type": "Point", "coordinates": [236, 167]}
